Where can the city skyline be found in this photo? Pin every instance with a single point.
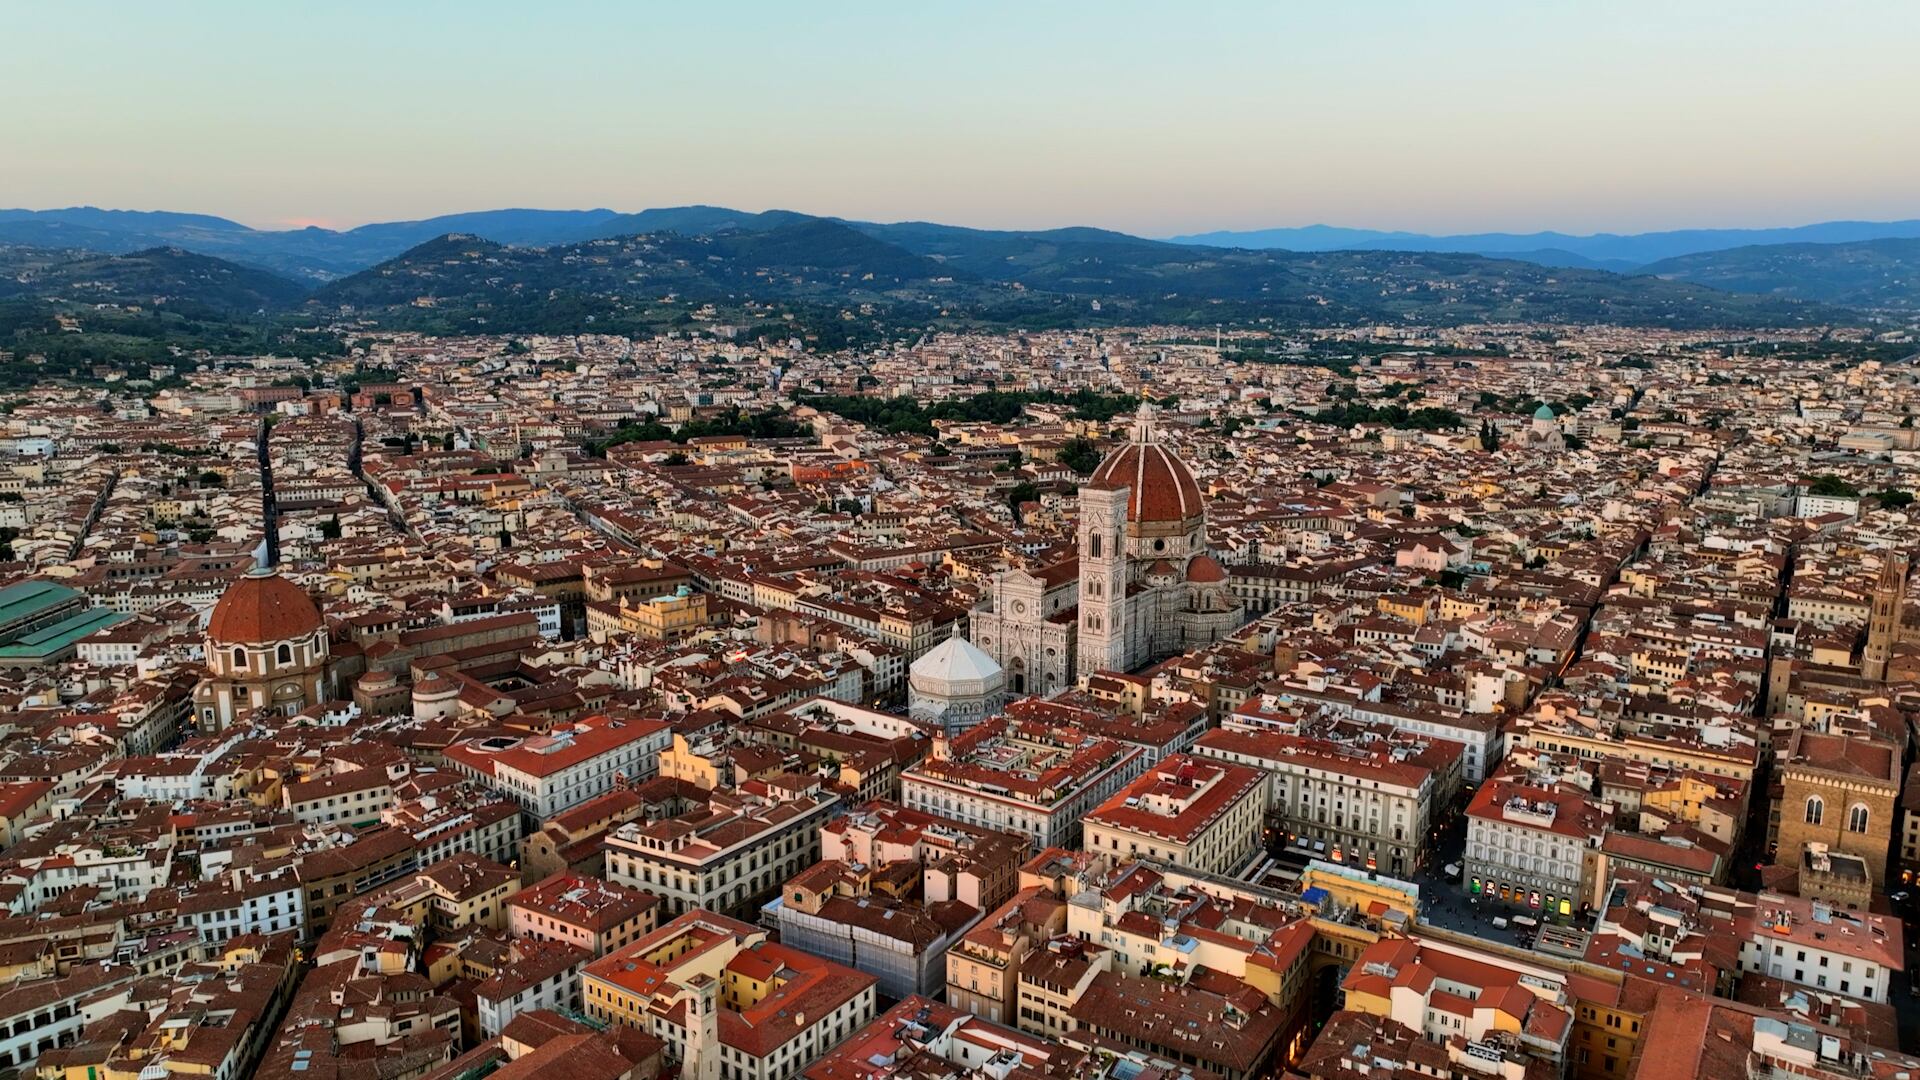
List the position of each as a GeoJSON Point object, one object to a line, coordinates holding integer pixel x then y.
{"type": "Point", "coordinates": [710, 574]}
{"type": "Point", "coordinates": [1487, 117]}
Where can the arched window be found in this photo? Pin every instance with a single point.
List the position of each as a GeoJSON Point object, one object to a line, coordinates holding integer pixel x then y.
{"type": "Point", "coordinates": [1816, 809]}
{"type": "Point", "coordinates": [1857, 818]}
{"type": "Point", "coordinates": [240, 659]}
{"type": "Point", "coordinates": [284, 654]}
{"type": "Point", "coordinates": [1095, 541]}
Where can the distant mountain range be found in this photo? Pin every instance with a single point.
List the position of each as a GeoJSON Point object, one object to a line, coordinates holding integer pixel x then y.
{"type": "Point", "coordinates": [311, 254]}
{"type": "Point", "coordinates": [323, 254]}
{"type": "Point", "coordinates": [904, 277]}
{"type": "Point", "coordinates": [559, 270]}
{"type": "Point", "coordinates": [316, 254]}
{"type": "Point", "coordinates": [1600, 251]}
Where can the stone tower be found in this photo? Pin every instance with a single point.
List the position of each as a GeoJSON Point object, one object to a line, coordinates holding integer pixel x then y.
{"type": "Point", "coordinates": [1883, 627]}
{"type": "Point", "coordinates": [702, 1060]}
{"type": "Point", "coordinates": [1103, 579]}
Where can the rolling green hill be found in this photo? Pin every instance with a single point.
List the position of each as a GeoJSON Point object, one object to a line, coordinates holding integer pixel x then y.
{"type": "Point", "coordinates": [1874, 274]}
{"type": "Point", "coordinates": [64, 312]}
{"type": "Point", "coordinates": [828, 282]}
{"type": "Point", "coordinates": [901, 277]}
{"type": "Point", "coordinates": [811, 259]}
{"type": "Point", "coordinates": [158, 277]}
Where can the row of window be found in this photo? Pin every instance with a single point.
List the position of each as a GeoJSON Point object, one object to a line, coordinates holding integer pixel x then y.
{"type": "Point", "coordinates": [1520, 894]}
{"type": "Point", "coordinates": [283, 654]}
{"type": "Point", "coordinates": [1857, 815]}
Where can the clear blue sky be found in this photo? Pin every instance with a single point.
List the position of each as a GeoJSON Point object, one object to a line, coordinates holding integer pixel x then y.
{"type": "Point", "coordinates": [1431, 115]}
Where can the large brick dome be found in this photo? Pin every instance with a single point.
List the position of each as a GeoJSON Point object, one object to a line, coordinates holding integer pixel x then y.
{"type": "Point", "coordinates": [1205, 570]}
{"type": "Point", "coordinates": [262, 607]}
{"type": "Point", "coordinates": [1160, 487]}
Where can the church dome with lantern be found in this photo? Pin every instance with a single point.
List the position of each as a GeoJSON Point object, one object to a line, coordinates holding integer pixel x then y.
{"type": "Point", "coordinates": [1160, 488]}
{"type": "Point", "coordinates": [266, 648]}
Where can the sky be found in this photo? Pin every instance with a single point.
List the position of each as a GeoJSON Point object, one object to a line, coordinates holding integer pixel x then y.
{"type": "Point", "coordinates": [1155, 118]}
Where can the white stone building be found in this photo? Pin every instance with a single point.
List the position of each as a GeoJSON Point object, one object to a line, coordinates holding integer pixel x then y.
{"type": "Point", "coordinates": [955, 685]}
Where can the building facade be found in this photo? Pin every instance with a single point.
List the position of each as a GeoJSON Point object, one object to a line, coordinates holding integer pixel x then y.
{"type": "Point", "coordinates": [1532, 847]}
{"type": "Point", "coordinates": [1809, 943]}
{"type": "Point", "coordinates": [724, 860]}
{"type": "Point", "coordinates": [1030, 777]}
{"type": "Point", "coordinates": [729, 1004]}
{"type": "Point", "coordinates": [1833, 814]}
{"type": "Point", "coordinates": [574, 762]}
{"type": "Point", "coordinates": [1358, 805]}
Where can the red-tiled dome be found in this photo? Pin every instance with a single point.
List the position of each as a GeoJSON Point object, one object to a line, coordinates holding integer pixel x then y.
{"type": "Point", "coordinates": [432, 684]}
{"type": "Point", "coordinates": [1161, 487]}
{"type": "Point", "coordinates": [261, 608]}
{"type": "Point", "coordinates": [1204, 570]}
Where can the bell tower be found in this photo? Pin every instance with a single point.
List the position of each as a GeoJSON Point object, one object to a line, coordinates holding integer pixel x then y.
{"type": "Point", "coordinates": [1883, 626]}
{"type": "Point", "coordinates": [702, 1058]}
{"type": "Point", "coordinates": [1103, 579]}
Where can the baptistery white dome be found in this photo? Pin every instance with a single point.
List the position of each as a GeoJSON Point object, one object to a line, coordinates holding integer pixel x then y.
{"type": "Point", "coordinates": [955, 668]}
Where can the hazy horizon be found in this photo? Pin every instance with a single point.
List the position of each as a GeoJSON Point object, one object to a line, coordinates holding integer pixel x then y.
{"type": "Point", "coordinates": [276, 226]}
{"type": "Point", "coordinates": [1436, 119]}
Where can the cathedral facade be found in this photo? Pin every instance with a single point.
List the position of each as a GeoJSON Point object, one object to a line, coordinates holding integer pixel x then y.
{"type": "Point", "coordinates": [1142, 587]}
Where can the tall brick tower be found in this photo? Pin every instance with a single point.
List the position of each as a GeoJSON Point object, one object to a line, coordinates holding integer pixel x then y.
{"type": "Point", "coordinates": [1883, 628]}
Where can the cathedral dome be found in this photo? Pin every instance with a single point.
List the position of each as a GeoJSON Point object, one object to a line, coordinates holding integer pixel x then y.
{"type": "Point", "coordinates": [956, 668]}
{"type": "Point", "coordinates": [1159, 486]}
{"type": "Point", "coordinates": [1205, 570]}
{"type": "Point", "coordinates": [262, 607]}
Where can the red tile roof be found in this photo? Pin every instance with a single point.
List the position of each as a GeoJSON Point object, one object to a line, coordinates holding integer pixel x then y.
{"type": "Point", "coordinates": [261, 608]}
{"type": "Point", "coordinates": [1160, 488]}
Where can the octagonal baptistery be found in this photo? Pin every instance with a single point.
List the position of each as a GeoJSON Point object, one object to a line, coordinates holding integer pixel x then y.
{"type": "Point", "coordinates": [955, 685]}
{"type": "Point", "coordinates": [266, 648]}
